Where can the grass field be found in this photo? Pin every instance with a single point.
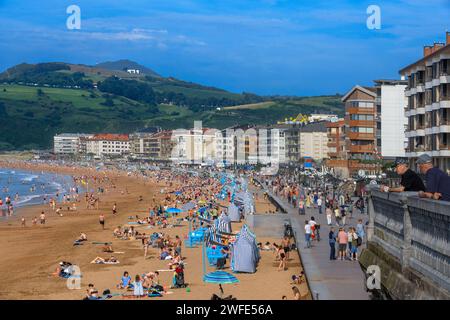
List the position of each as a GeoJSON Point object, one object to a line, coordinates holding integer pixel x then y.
{"type": "Point", "coordinates": [29, 119]}
{"type": "Point", "coordinates": [251, 106]}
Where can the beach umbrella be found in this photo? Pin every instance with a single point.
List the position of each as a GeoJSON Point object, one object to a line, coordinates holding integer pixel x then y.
{"type": "Point", "coordinates": [220, 277]}
{"type": "Point", "coordinates": [174, 210]}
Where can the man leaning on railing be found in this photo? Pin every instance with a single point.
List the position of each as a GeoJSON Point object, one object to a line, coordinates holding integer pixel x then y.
{"type": "Point", "coordinates": [438, 182]}
{"type": "Point", "coordinates": [410, 181]}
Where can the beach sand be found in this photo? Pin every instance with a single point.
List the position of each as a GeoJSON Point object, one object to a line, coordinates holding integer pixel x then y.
{"type": "Point", "coordinates": [28, 255]}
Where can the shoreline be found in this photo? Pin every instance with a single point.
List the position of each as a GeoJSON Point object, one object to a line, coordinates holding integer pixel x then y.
{"type": "Point", "coordinates": [35, 250]}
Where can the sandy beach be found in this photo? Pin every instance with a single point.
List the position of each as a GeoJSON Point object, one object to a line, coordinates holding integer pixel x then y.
{"type": "Point", "coordinates": [30, 254]}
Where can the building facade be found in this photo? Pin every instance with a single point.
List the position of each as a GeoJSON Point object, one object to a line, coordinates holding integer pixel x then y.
{"type": "Point", "coordinates": [70, 143]}
{"type": "Point", "coordinates": [428, 96]}
{"type": "Point", "coordinates": [359, 150]}
{"type": "Point", "coordinates": [108, 144]}
{"type": "Point", "coordinates": [313, 141]}
{"type": "Point", "coordinates": [391, 120]}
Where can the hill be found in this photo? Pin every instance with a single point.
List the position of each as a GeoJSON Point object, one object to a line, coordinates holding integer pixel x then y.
{"type": "Point", "coordinates": [38, 101]}
{"type": "Point", "coordinates": [123, 65]}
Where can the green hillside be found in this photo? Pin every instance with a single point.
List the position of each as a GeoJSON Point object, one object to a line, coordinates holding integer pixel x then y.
{"type": "Point", "coordinates": [39, 101]}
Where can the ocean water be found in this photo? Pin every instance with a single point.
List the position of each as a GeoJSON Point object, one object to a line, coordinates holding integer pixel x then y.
{"type": "Point", "coordinates": [31, 187]}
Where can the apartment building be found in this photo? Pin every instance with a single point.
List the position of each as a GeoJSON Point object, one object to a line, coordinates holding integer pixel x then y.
{"type": "Point", "coordinates": [154, 146]}
{"type": "Point", "coordinates": [194, 146]}
{"type": "Point", "coordinates": [108, 144]}
{"type": "Point", "coordinates": [358, 150]}
{"type": "Point", "coordinates": [313, 141]}
{"type": "Point", "coordinates": [391, 121]}
{"type": "Point", "coordinates": [428, 105]}
{"type": "Point", "coordinates": [70, 143]}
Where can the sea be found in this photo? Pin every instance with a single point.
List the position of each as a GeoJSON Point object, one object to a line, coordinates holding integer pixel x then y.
{"type": "Point", "coordinates": [30, 188]}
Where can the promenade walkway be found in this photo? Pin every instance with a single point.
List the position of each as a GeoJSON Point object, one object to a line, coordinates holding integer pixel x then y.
{"type": "Point", "coordinates": [328, 279]}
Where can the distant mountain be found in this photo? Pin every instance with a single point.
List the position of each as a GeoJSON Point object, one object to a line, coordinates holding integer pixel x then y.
{"type": "Point", "coordinates": [124, 65]}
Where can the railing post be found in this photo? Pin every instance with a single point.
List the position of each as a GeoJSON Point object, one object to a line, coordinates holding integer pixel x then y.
{"type": "Point", "coordinates": [407, 231]}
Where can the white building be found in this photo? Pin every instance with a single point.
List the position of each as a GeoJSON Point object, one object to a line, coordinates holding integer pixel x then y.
{"type": "Point", "coordinates": [391, 119]}
{"type": "Point", "coordinates": [108, 144]}
{"type": "Point", "coordinates": [194, 146]}
{"type": "Point", "coordinates": [313, 141]}
{"type": "Point", "coordinates": [133, 71]}
{"type": "Point", "coordinates": [69, 143]}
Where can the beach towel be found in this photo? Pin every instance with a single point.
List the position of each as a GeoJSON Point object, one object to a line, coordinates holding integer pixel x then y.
{"type": "Point", "coordinates": [106, 262]}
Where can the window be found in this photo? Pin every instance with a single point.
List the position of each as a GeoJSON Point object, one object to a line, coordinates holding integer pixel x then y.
{"type": "Point", "coordinates": [362, 117]}
{"type": "Point", "coordinates": [361, 129]}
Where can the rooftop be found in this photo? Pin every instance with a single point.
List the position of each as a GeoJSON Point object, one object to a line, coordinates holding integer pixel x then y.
{"type": "Point", "coordinates": [110, 137]}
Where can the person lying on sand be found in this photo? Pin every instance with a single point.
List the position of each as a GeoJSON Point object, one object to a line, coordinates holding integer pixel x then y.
{"type": "Point", "coordinates": [62, 269]}
{"type": "Point", "coordinates": [100, 260]}
{"type": "Point", "coordinates": [82, 237]}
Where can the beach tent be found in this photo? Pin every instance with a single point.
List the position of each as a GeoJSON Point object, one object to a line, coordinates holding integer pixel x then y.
{"type": "Point", "coordinates": [233, 213]}
{"type": "Point", "coordinates": [223, 224]}
{"type": "Point", "coordinates": [244, 252]}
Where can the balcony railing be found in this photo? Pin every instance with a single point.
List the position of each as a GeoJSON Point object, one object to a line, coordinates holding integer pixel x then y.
{"type": "Point", "coordinates": [360, 136]}
{"type": "Point", "coordinates": [367, 148]}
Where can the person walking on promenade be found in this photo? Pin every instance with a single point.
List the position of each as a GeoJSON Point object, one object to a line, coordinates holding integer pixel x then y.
{"type": "Point", "coordinates": [328, 212]}
{"type": "Point", "coordinates": [101, 220]}
{"type": "Point", "coordinates": [332, 242]}
{"type": "Point", "coordinates": [360, 230]}
{"type": "Point", "coordinates": [343, 214]}
{"type": "Point", "coordinates": [319, 204]}
{"type": "Point", "coordinates": [337, 215]}
{"type": "Point", "coordinates": [307, 234]}
{"type": "Point", "coordinates": [314, 228]}
{"type": "Point", "coordinates": [354, 245]}
{"type": "Point", "coordinates": [301, 208]}
{"type": "Point", "coordinates": [342, 239]}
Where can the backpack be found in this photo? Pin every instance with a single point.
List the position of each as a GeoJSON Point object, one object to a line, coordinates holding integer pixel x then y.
{"type": "Point", "coordinates": [359, 241]}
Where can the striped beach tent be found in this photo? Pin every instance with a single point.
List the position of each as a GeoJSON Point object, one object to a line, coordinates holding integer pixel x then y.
{"type": "Point", "coordinates": [233, 213]}
{"type": "Point", "coordinates": [244, 252]}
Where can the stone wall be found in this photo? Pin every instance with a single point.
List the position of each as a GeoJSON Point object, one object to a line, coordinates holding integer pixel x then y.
{"type": "Point", "coordinates": [409, 239]}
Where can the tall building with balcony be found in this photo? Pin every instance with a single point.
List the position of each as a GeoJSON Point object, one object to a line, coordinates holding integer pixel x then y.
{"type": "Point", "coordinates": [353, 140]}
{"type": "Point", "coordinates": [360, 123]}
{"type": "Point", "coordinates": [70, 143]}
{"type": "Point", "coordinates": [428, 94]}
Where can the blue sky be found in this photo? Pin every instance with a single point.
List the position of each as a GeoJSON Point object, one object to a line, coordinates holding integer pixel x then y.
{"type": "Point", "coordinates": [290, 47]}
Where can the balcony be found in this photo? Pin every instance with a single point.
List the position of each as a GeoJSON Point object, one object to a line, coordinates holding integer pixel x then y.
{"type": "Point", "coordinates": [361, 136]}
{"type": "Point", "coordinates": [331, 144]}
{"type": "Point", "coordinates": [353, 110]}
{"type": "Point", "coordinates": [362, 149]}
{"type": "Point", "coordinates": [361, 123]}
{"type": "Point", "coordinates": [444, 147]}
{"type": "Point", "coordinates": [337, 163]}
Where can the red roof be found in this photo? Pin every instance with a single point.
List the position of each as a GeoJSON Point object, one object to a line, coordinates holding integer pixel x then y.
{"type": "Point", "coordinates": [110, 137]}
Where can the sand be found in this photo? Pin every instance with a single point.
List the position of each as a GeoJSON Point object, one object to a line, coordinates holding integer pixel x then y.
{"type": "Point", "coordinates": [28, 255]}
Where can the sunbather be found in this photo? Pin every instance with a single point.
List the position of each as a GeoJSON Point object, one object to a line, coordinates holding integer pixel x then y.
{"type": "Point", "coordinates": [100, 260]}
{"type": "Point", "coordinates": [107, 248]}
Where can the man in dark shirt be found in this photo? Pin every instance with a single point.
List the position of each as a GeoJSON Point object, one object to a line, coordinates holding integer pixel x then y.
{"type": "Point", "coordinates": [438, 182]}
{"type": "Point", "coordinates": [410, 181]}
